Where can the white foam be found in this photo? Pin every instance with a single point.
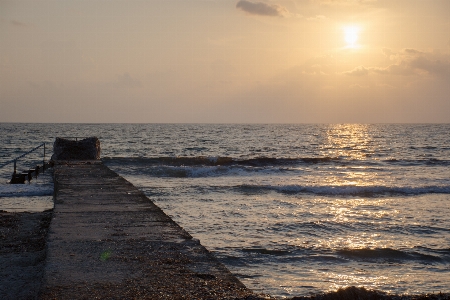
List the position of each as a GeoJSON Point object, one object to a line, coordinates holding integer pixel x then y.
{"type": "Point", "coordinates": [24, 190]}
{"type": "Point", "coordinates": [29, 204]}
{"type": "Point", "coordinates": [368, 191]}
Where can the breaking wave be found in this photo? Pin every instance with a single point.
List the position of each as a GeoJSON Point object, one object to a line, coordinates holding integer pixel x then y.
{"type": "Point", "coordinates": [25, 190]}
{"type": "Point", "coordinates": [373, 255]}
{"type": "Point", "coordinates": [220, 161]}
{"type": "Point", "coordinates": [265, 161]}
{"type": "Point", "coordinates": [363, 191]}
{"type": "Point", "coordinates": [393, 255]}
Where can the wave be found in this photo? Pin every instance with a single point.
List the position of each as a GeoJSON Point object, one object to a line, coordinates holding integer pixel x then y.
{"type": "Point", "coordinates": [388, 254]}
{"type": "Point", "coordinates": [219, 161]}
{"type": "Point", "coordinates": [380, 255]}
{"type": "Point", "coordinates": [266, 161]}
{"type": "Point", "coordinates": [417, 162]}
{"type": "Point", "coordinates": [187, 171]}
{"type": "Point", "coordinates": [356, 293]}
{"type": "Point", "coordinates": [418, 254]}
{"type": "Point", "coordinates": [363, 191]}
{"type": "Point", "coordinates": [25, 190]}
{"type": "Point", "coordinates": [266, 251]}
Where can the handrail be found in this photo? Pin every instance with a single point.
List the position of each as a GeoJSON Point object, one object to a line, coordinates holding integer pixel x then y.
{"type": "Point", "coordinates": [20, 156]}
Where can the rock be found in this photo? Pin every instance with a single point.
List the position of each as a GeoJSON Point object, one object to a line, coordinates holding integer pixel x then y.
{"type": "Point", "coordinates": [86, 149]}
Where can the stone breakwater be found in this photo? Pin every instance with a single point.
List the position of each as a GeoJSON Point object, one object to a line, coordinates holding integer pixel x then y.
{"type": "Point", "coordinates": [107, 240]}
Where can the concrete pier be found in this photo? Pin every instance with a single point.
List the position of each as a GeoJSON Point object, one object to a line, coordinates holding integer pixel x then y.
{"type": "Point", "coordinates": [107, 240]}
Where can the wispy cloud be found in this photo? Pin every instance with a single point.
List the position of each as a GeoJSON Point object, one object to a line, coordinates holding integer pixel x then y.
{"type": "Point", "coordinates": [412, 51]}
{"type": "Point", "coordinates": [126, 81]}
{"type": "Point", "coordinates": [358, 71]}
{"type": "Point", "coordinates": [346, 2]}
{"type": "Point", "coordinates": [262, 9]}
{"type": "Point", "coordinates": [432, 66]}
{"type": "Point", "coordinates": [316, 18]}
{"type": "Point", "coordinates": [18, 23]}
{"type": "Point", "coordinates": [402, 68]}
{"type": "Point", "coordinates": [409, 62]}
{"type": "Point", "coordinates": [358, 86]}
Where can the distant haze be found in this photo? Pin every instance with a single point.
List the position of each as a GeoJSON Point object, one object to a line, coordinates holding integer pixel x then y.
{"type": "Point", "coordinates": [223, 61]}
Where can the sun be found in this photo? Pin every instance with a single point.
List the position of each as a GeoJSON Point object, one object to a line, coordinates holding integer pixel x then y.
{"type": "Point", "coordinates": [351, 34]}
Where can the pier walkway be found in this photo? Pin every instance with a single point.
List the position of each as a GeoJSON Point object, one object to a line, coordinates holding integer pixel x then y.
{"type": "Point", "coordinates": [107, 240]}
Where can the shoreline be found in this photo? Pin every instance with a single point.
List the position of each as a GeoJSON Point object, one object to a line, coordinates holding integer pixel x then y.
{"type": "Point", "coordinates": [22, 253]}
{"type": "Point", "coordinates": [23, 257]}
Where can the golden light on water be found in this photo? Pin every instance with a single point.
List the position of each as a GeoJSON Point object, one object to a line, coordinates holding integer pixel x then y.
{"type": "Point", "coordinates": [351, 141]}
{"type": "Point", "coordinates": [350, 178]}
{"type": "Point", "coordinates": [361, 278]}
{"type": "Point", "coordinates": [342, 213]}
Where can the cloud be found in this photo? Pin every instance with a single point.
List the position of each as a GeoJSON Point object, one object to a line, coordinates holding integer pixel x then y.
{"type": "Point", "coordinates": [346, 2]}
{"type": "Point", "coordinates": [358, 71]}
{"type": "Point", "coordinates": [402, 68]}
{"type": "Point", "coordinates": [126, 81]}
{"type": "Point", "coordinates": [388, 52]}
{"type": "Point", "coordinates": [411, 51]}
{"type": "Point", "coordinates": [408, 62]}
{"type": "Point", "coordinates": [385, 85]}
{"type": "Point", "coordinates": [358, 86]}
{"type": "Point", "coordinates": [412, 61]}
{"type": "Point", "coordinates": [319, 66]}
{"type": "Point", "coordinates": [262, 9]}
{"type": "Point", "coordinates": [316, 18]}
{"type": "Point", "coordinates": [17, 23]}
{"type": "Point", "coordinates": [432, 66]}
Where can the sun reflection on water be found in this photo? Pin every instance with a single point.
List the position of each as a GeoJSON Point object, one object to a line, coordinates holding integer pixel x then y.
{"type": "Point", "coordinates": [347, 212]}
{"type": "Point", "coordinates": [351, 141]}
{"type": "Point", "coordinates": [361, 278]}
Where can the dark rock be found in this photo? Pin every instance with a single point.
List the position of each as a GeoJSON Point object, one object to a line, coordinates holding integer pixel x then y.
{"type": "Point", "coordinates": [86, 149]}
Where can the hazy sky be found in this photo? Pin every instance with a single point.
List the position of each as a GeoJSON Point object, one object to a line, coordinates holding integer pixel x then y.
{"type": "Point", "coordinates": [217, 61]}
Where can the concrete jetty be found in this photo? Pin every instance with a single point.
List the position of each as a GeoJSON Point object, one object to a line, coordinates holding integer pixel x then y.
{"type": "Point", "coordinates": [107, 240]}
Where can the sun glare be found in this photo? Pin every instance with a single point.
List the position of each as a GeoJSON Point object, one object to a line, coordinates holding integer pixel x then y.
{"type": "Point", "coordinates": [351, 35]}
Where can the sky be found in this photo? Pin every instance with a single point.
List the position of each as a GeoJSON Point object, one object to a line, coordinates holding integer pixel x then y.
{"type": "Point", "coordinates": [225, 61]}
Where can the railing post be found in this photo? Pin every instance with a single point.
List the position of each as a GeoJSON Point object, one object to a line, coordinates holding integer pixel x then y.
{"type": "Point", "coordinates": [23, 155]}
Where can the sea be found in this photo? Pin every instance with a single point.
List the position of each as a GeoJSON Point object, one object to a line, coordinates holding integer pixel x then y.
{"type": "Point", "coordinates": [290, 209]}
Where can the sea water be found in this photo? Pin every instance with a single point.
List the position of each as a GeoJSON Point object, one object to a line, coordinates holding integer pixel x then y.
{"type": "Point", "coordinates": [289, 209]}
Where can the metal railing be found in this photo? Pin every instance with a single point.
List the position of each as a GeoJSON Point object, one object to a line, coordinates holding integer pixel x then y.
{"type": "Point", "coordinates": [21, 156]}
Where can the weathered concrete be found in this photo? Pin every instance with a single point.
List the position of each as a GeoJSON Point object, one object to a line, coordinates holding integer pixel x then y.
{"type": "Point", "coordinates": [107, 240]}
{"type": "Point", "coordinates": [85, 149]}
